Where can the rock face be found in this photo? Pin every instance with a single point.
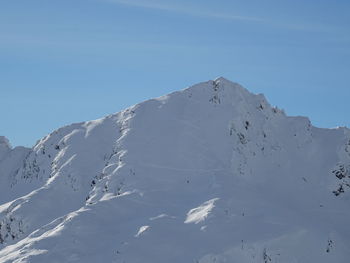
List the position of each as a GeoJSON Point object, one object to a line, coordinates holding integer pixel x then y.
{"type": "Point", "coordinates": [211, 173]}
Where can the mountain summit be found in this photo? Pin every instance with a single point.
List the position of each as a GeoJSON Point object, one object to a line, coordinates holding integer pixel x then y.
{"type": "Point", "coordinates": [212, 173]}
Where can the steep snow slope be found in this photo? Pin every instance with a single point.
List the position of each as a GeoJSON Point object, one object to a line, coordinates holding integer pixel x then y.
{"type": "Point", "coordinates": [10, 161]}
{"type": "Point", "coordinates": [212, 173]}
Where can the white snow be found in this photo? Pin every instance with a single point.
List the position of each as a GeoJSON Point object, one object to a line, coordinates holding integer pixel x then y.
{"type": "Point", "coordinates": [142, 230]}
{"type": "Point", "coordinates": [211, 173]}
{"type": "Point", "coordinates": [201, 212]}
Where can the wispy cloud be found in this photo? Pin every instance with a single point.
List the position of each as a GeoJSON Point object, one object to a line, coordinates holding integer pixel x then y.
{"type": "Point", "coordinates": [185, 11]}
{"type": "Point", "coordinates": [190, 11]}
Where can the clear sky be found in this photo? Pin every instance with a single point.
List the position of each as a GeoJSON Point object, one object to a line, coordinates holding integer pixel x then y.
{"type": "Point", "coordinates": [75, 60]}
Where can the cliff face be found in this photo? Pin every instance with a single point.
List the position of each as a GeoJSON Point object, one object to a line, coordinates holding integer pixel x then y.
{"type": "Point", "coordinates": [211, 173]}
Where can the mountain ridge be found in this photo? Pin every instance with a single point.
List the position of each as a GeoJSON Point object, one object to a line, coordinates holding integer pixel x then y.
{"type": "Point", "coordinates": [205, 161]}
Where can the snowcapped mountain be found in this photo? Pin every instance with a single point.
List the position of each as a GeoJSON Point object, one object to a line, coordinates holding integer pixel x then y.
{"type": "Point", "coordinates": [211, 173]}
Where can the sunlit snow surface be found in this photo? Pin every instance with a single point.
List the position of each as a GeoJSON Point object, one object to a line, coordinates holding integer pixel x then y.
{"type": "Point", "coordinates": [211, 173]}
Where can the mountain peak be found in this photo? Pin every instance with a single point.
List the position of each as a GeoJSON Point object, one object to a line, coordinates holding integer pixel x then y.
{"type": "Point", "coordinates": [222, 86]}
{"type": "Point", "coordinates": [180, 173]}
{"type": "Point", "coordinates": [223, 80]}
{"type": "Point", "coordinates": [223, 83]}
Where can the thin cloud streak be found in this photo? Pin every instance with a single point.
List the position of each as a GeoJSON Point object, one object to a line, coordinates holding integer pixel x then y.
{"type": "Point", "coordinates": [191, 12]}
{"type": "Point", "coordinates": [224, 16]}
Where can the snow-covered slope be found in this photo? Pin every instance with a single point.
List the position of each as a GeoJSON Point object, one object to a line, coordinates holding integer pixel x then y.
{"type": "Point", "coordinates": [11, 160]}
{"type": "Point", "coordinates": [211, 173]}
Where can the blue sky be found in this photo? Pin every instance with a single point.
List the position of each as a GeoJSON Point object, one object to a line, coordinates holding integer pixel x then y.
{"type": "Point", "coordinates": [71, 61]}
